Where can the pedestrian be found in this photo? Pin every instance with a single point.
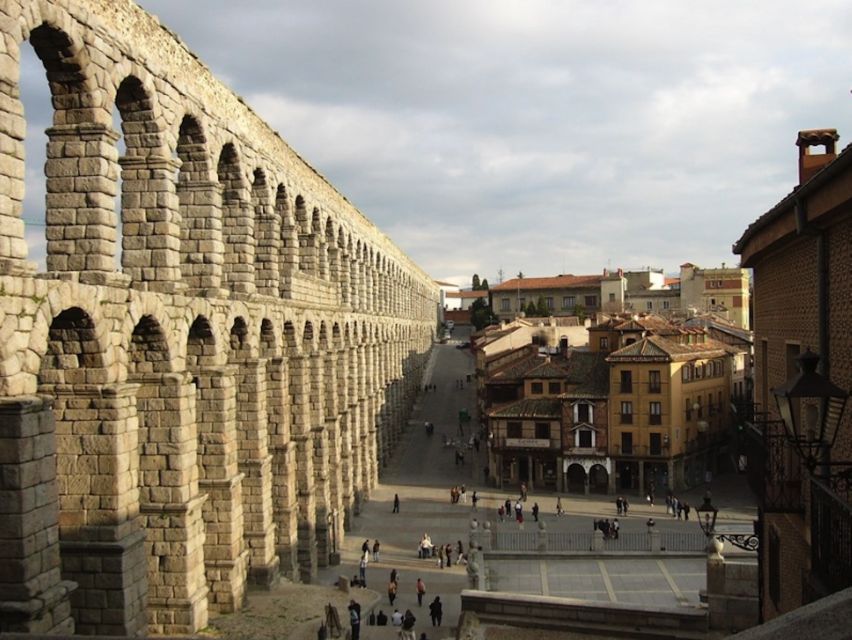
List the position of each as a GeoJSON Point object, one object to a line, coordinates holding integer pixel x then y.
{"type": "Point", "coordinates": [508, 504]}
{"type": "Point", "coordinates": [461, 557]}
{"type": "Point", "coordinates": [396, 618]}
{"type": "Point", "coordinates": [441, 556]}
{"type": "Point", "coordinates": [519, 511]}
{"type": "Point", "coordinates": [615, 527]}
{"type": "Point", "coordinates": [394, 576]}
{"type": "Point", "coordinates": [476, 444]}
{"type": "Point", "coordinates": [500, 512]}
{"type": "Point", "coordinates": [392, 588]}
{"type": "Point", "coordinates": [365, 547]}
{"type": "Point", "coordinates": [669, 509]}
{"type": "Point", "coordinates": [559, 510]}
{"type": "Point", "coordinates": [381, 619]}
{"type": "Point", "coordinates": [355, 619]}
{"type": "Point", "coordinates": [535, 511]}
{"type": "Point", "coordinates": [686, 509]}
{"type": "Point", "coordinates": [376, 546]}
{"type": "Point", "coordinates": [395, 503]}
{"type": "Point", "coordinates": [474, 499]}
{"type": "Point", "coordinates": [436, 611]}
{"type": "Point", "coordinates": [464, 494]}
{"type": "Point", "coordinates": [625, 505]}
{"type": "Point", "coordinates": [448, 551]}
{"type": "Point", "coordinates": [619, 505]}
{"type": "Point", "coordinates": [423, 636]}
{"type": "Point", "coordinates": [524, 491]}
{"type": "Point", "coordinates": [407, 631]}
{"type": "Point", "coordinates": [362, 573]}
{"type": "Point", "coordinates": [679, 509]}
{"type": "Point", "coordinates": [421, 591]}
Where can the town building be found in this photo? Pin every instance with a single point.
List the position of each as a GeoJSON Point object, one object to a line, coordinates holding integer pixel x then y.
{"type": "Point", "coordinates": [800, 252]}
{"type": "Point", "coordinates": [563, 295]}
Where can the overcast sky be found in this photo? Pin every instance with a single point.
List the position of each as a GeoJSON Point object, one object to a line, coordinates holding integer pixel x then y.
{"type": "Point", "coordinates": [538, 136]}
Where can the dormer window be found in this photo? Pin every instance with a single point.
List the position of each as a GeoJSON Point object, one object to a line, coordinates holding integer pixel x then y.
{"type": "Point", "coordinates": [584, 438]}
{"type": "Point", "coordinates": [583, 413]}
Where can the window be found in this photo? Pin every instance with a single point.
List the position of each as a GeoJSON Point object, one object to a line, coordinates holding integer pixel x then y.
{"type": "Point", "coordinates": [665, 304]}
{"type": "Point", "coordinates": [655, 413]}
{"type": "Point", "coordinates": [521, 303]}
{"type": "Point", "coordinates": [582, 413]}
{"type": "Point", "coordinates": [688, 409]}
{"type": "Point", "coordinates": [537, 388]}
{"type": "Point", "coordinates": [626, 444]}
{"type": "Point", "coordinates": [626, 382]}
{"type": "Point", "coordinates": [585, 438]}
{"type": "Point", "coordinates": [612, 297]}
{"type": "Point", "coordinates": [504, 304]}
{"type": "Point", "coordinates": [513, 430]}
{"type": "Point", "coordinates": [542, 430]}
{"type": "Point", "coordinates": [649, 305]}
{"type": "Point", "coordinates": [604, 344]}
{"type": "Point", "coordinates": [700, 409]}
{"type": "Point", "coordinates": [591, 301]}
{"type": "Point", "coordinates": [569, 302]}
{"type": "Point", "coordinates": [686, 373]}
{"type": "Point", "coordinates": [554, 388]}
{"type": "Point", "coordinates": [654, 383]}
{"type": "Point", "coordinates": [626, 412]}
{"type": "Point", "coordinates": [548, 302]}
{"type": "Point", "coordinates": [656, 442]}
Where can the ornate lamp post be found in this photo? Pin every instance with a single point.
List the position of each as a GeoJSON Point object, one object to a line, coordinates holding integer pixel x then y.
{"type": "Point", "coordinates": [811, 407]}
{"type": "Point", "coordinates": [707, 514]}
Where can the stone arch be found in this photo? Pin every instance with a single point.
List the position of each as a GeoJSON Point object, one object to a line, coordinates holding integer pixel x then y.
{"type": "Point", "coordinates": [598, 479]}
{"type": "Point", "coordinates": [289, 251]}
{"type": "Point", "coordinates": [200, 202]}
{"type": "Point", "coordinates": [76, 112]}
{"type": "Point", "coordinates": [149, 351]}
{"type": "Point", "coordinates": [268, 229]}
{"type": "Point", "coordinates": [575, 478]}
{"type": "Point", "coordinates": [237, 223]}
{"type": "Point", "coordinates": [292, 339]}
{"type": "Point", "coordinates": [150, 225]}
{"type": "Point", "coordinates": [308, 338]}
{"type": "Point", "coordinates": [201, 349]}
{"type": "Point", "coordinates": [240, 340]}
{"type": "Point", "coordinates": [332, 254]}
{"type": "Point", "coordinates": [268, 339]}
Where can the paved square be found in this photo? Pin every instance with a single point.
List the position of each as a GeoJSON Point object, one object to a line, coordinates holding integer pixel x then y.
{"type": "Point", "coordinates": [650, 581]}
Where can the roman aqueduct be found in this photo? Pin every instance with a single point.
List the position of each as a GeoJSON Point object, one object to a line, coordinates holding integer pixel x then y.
{"type": "Point", "coordinates": [210, 414]}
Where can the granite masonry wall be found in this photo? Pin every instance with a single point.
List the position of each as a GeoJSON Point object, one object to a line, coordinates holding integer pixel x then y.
{"type": "Point", "coordinates": [205, 409]}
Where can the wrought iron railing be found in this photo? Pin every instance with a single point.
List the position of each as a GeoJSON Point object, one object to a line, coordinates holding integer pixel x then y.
{"type": "Point", "coordinates": [831, 537]}
{"type": "Point", "coordinates": [774, 470]}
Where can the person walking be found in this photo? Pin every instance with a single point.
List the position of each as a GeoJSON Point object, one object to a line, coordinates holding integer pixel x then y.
{"type": "Point", "coordinates": [559, 510]}
{"type": "Point", "coordinates": [508, 504]}
{"type": "Point", "coordinates": [395, 503]}
{"type": "Point", "coordinates": [376, 546]}
{"type": "Point", "coordinates": [535, 511]}
{"type": "Point", "coordinates": [474, 499]}
{"type": "Point", "coordinates": [436, 611]}
{"type": "Point", "coordinates": [500, 512]}
{"type": "Point", "coordinates": [464, 494]}
{"type": "Point", "coordinates": [362, 572]}
{"type": "Point", "coordinates": [392, 588]}
{"type": "Point", "coordinates": [448, 551]}
{"type": "Point", "coordinates": [355, 619]}
{"type": "Point", "coordinates": [407, 631]}
{"type": "Point", "coordinates": [421, 591]}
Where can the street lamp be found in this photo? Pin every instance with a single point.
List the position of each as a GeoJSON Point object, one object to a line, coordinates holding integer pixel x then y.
{"type": "Point", "coordinates": [707, 514]}
{"type": "Point", "coordinates": [811, 407]}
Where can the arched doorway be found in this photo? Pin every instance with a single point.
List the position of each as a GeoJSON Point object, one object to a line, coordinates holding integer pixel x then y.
{"type": "Point", "coordinates": [576, 479]}
{"type": "Point", "coordinates": [598, 479]}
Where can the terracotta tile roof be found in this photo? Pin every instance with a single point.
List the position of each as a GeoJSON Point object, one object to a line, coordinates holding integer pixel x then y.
{"type": "Point", "coordinates": [530, 408]}
{"type": "Point", "coordinates": [671, 281]}
{"type": "Point", "coordinates": [516, 370]}
{"type": "Point", "coordinates": [551, 282]}
{"type": "Point", "coordinates": [547, 369]}
{"type": "Point", "coordinates": [659, 349]}
{"type": "Point", "coordinates": [481, 293]}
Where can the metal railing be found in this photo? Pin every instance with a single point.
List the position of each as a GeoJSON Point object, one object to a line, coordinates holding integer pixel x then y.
{"type": "Point", "coordinates": [679, 541]}
{"type": "Point", "coordinates": [831, 538]}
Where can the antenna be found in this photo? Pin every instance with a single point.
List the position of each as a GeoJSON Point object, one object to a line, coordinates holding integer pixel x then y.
{"type": "Point", "coordinates": [500, 275]}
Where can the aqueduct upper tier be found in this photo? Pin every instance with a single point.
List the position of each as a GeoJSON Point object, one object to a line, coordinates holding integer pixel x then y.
{"type": "Point", "coordinates": [209, 413]}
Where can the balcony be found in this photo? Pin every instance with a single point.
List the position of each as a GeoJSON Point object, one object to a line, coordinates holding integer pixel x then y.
{"type": "Point", "coordinates": [774, 470]}
{"type": "Point", "coordinates": [626, 418]}
{"type": "Point", "coordinates": [626, 387]}
{"type": "Point", "coordinates": [633, 451]}
{"type": "Point", "coordinates": [586, 451]}
{"type": "Point", "coordinates": [831, 538]}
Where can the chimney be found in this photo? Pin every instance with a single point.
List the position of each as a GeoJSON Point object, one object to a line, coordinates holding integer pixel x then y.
{"type": "Point", "coordinates": [811, 163]}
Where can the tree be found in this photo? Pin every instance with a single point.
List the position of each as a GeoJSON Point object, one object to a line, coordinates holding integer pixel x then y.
{"type": "Point", "coordinates": [580, 312]}
{"type": "Point", "coordinates": [484, 285]}
{"type": "Point", "coordinates": [531, 310]}
{"type": "Point", "coordinates": [476, 283]}
{"type": "Point", "coordinates": [480, 314]}
{"type": "Point", "coordinates": [541, 308]}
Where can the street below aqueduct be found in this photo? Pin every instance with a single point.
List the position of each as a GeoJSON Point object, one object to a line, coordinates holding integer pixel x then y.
{"type": "Point", "coordinates": [422, 471]}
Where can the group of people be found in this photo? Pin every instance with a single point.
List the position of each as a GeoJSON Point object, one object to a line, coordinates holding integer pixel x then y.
{"type": "Point", "coordinates": [677, 508]}
{"type": "Point", "coordinates": [458, 494]}
{"type": "Point", "coordinates": [505, 510]}
{"type": "Point", "coordinates": [609, 529]}
{"type": "Point", "coordinates": [621, 505]}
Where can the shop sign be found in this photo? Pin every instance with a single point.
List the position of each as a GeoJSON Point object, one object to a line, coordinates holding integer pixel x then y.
{"type": "Point", "coordinates": [528, 443]}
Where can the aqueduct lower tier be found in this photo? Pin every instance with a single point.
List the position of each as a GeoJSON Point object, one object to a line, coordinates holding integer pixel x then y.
{"type": "Point", "coordinates": [164, 452]}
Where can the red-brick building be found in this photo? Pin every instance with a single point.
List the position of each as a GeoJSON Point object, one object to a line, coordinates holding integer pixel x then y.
{"type": "Point", "coordinates": [801, 254]}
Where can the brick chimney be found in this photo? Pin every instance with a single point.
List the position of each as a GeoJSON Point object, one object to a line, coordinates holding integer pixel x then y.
{"type": "Point", "coordinates": [810, 163]}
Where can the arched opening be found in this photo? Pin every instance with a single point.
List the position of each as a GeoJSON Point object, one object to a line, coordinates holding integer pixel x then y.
{"type": "Point", "coordinates": [268, 226]}
{"type": "Point", "coordinates": [200, 202]}
{"type": "Point", "coordinates": [237, 223]}
{"type": "Point", "coordinates": [289, 251]}
{"type": "Point", "coordinates": [307, 250]}
{"type": "Point", "coordinates": [598, 479]}
{"type": "Point", "coordinates": [96, 471]}
{"type": "Point", "coordinates": [576, 478]}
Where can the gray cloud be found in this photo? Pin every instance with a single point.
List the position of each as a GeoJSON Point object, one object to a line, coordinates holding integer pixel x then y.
{"type": "Point", "coordinates": [539, 136]}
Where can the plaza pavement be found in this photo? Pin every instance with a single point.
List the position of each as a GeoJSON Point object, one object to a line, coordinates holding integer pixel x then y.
{"type": "Point", "coordinates": [421, 472]}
